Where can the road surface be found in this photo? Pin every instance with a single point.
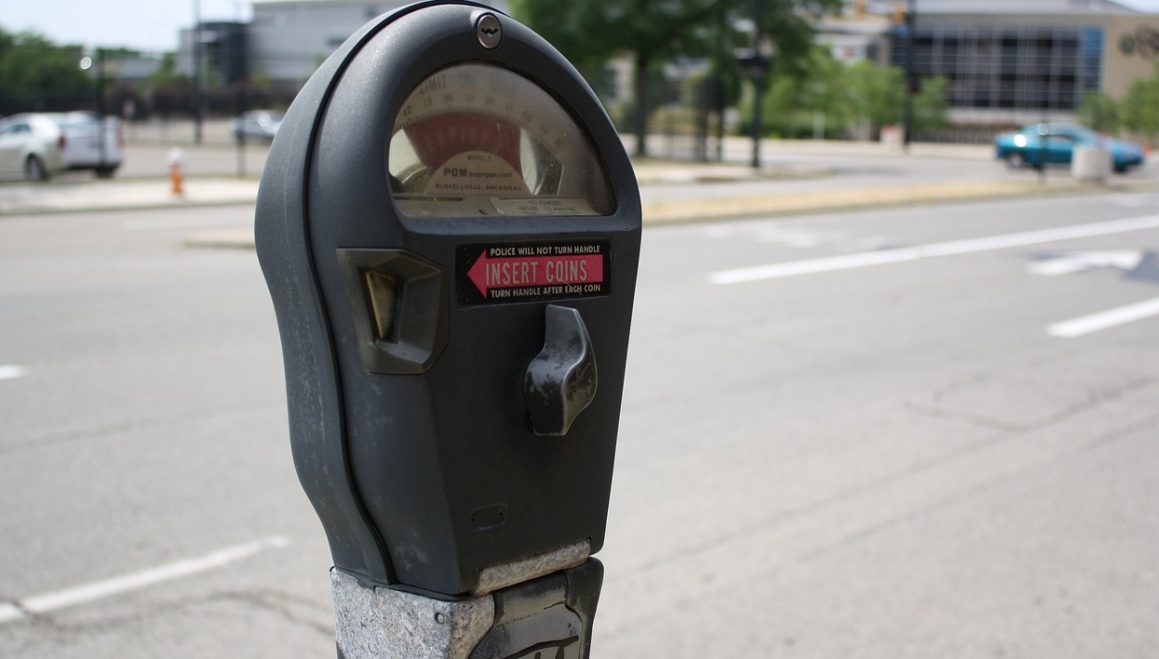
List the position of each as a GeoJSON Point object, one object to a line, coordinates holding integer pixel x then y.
{"type": "Point", "coordinates": [919, 432]}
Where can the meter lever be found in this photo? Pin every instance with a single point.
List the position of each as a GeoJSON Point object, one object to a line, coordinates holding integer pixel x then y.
{"type": "Point", "coordinates": [561, 380]}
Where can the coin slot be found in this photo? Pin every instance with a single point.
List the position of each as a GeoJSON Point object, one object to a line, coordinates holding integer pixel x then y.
{"type": "Point", "coordinates": [382, 293]}
{"type": "Point", "coordinates": [398, 301]}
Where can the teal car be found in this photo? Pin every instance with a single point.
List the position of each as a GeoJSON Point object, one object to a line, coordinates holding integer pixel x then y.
{"type": "Point", "coordinates": [1054, 144]}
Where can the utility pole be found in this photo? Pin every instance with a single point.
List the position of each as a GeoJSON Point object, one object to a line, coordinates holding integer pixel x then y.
{"type": "Point", "coordinates": [755, 63]}
{"type": "Point", "coordinates": [196, 72]}
{"type": "Point", "coordinates": [910, 76]}
{"type": "Point", "coordinates": [759, 78]}
{"type": "Point", "coordinates": [101, 128]}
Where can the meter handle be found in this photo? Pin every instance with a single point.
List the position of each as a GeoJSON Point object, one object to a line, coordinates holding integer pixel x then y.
{"type": "Point", "coordinates": [561, 380]}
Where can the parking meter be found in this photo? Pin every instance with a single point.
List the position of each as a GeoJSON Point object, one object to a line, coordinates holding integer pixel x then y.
{"type": "Point", "coordinates": [449, 227]}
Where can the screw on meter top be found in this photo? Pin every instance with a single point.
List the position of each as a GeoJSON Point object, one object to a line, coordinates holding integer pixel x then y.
{"type": "Point", "coordinates": [477, 139]}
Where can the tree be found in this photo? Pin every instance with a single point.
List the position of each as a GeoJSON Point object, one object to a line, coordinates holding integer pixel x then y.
{"type": "Point", "coordinates": [1099, 111]}
{"type": "Point", "coordinates": [1138, 106]}
{"type": "Point", "coordinates": [166, 74]}
{"type": "Point", "coordinates": [35, 72]}
{"type": "Point", "coordinates": [930, 104]}
{"type": "Point", "coordinates": [652, 31]}
{"type": "Point", "coordinates": [816, 85]}
{"type": "Point", "coordinates": [875, 93]}
{"type": "Point", "coordinates": [848, 95]}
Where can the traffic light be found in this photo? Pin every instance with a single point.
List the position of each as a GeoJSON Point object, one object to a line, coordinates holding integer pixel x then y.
{"type": "Point", "coordinates": [897, 14]}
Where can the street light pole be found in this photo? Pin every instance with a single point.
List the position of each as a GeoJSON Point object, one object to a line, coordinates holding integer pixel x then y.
{"type": "Point", "coordinates": [101, 125]}
{"type": "Point", "coordinates": [196, 72]}
{"type": "Point", "coordinates": [910, 75]}
{"type": "Point", "coordinates": [758, 72]}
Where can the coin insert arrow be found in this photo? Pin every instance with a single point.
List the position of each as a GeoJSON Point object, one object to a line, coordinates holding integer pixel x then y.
{"type": "Point", "coordinates": [532, 272]}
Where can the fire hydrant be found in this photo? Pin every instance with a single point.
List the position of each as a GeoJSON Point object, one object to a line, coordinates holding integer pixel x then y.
{"type": "Point", "coordinates": [176, 171]}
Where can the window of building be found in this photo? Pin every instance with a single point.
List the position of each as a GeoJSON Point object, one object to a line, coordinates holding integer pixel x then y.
{"type": "Point", "coordinates": [1023, 68]}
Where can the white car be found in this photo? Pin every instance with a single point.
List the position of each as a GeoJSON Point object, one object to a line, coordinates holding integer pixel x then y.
{"type": "Point", "coordinates": [31, 146]}
{"type": "Point", "coordinates": [83, 148]}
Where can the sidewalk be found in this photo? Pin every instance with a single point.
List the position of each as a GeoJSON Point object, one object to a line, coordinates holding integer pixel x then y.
{"type": "Point", "coordinates": [95, 195]}
{"type": "Point", "coordinates": [673, 192]}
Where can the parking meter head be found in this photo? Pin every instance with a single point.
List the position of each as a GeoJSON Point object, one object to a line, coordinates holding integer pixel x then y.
{"type": "Point", "coordinates": [449, 227]}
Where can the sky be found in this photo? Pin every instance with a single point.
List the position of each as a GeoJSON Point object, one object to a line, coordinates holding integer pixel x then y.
{"type": "Point", "coordinates": [149, 25]}
{"type": "Point", "coordinates": [152, 25]}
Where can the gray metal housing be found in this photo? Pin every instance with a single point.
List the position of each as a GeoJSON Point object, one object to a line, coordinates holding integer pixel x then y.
{"type": "Point", "coordinates": [422, 481]}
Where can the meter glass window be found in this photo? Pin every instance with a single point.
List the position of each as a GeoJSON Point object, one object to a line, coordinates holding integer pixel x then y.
{"type": "Point", "coordinates": [477, 139]}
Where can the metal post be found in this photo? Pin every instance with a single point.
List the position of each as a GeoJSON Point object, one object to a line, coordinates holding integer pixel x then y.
{"type": "Point", "coordinates": [101, 132]}
{"type": "Point", "coordinates": [196, 72]}
{"type": "Point", "coordinates": [910, 75]}
{"type": "Point", "coordinates": [758, 79]}
{"type": "Point", "coordinates": [550, 616]}
{"type": "Point", "coordinates": [239, 109]}
{"type": "Point", "coordinates": [1043, 136]}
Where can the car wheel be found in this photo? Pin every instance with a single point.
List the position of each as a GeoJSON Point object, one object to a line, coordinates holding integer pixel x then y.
{"type": "Point", "coordinates": [34, 169]}
{"type": "Point", "coordinates": [106, 171]}
{"type": "Point", "coordinates": [1015, 161]}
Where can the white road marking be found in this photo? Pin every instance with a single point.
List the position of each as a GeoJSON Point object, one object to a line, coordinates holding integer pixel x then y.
{"type": "Point", "coordinates": [1076, 327]}
{"type": "Point", "coordinates": [953, 248]}
{"type": "Point", "coordinates": [11, 371]}
{"type": "Point", "coordinates": [1136, 200]}
{"type": "Point", "coordinates": [96, 590]}
{"type": "Point", "coordinates": [1067, 264]}
{"type": "Point", "coordinates": [9, 612]}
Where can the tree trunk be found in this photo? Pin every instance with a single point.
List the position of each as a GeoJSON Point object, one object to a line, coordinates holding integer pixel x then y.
{"type": "Point", "coordinates": [642, 99]}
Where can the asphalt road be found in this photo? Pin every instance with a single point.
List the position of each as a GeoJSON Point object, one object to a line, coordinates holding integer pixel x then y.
{"type": "Point", "coordinates": [867, 434]}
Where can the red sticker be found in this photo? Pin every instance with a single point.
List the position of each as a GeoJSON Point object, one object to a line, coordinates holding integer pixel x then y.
{"type": "Point", "coordinates": [516, 273]}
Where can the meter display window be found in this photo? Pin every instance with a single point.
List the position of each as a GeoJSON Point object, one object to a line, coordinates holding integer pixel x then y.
{"type": "Point", "coordinates": [476, 139]}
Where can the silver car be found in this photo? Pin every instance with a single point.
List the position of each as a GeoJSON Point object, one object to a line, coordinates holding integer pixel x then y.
{"type": "Point", "coordinates": [31, 146]}
{"type": "Point", "coordinates": [257, 125]}
{"type": "Point", "coordinates": [87, 145]}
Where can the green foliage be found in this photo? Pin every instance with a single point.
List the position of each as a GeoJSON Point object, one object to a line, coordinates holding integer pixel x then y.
{"type": "Point", "coordinates": [594, 31]}
{"type": "Point", "coordinates": [33, 69]}
{"type": "Point", "coordinates": [875, 93]}
{"type": "Point", "coordinates": [166, 74]}
{"type": "Point", "coordinates": [930, 104]}
{"type": "Point", "coordinates": [1138, 108]}
{"type": "Point", "coordinates": [861, 93]}
{"type": "Point", "coordinates": [652, 31]}
{"type": "Point", "coordinates": [1099, 111]}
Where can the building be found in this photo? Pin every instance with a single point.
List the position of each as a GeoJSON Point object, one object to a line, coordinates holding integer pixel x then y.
{"type": "Point", "coordinates": [1006, 61]}
{"type": "Point", "coordinates": [288, 39]}
{"type": "Point", "coordinates": [224, 51]}
{"type": "Point", "coordinates": [1016, 61]}
{"type": "Point", "coordinates": [285, 41]}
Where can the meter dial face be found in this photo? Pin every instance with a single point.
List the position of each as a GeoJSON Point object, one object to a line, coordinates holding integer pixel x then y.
{"type": "Point", "coordinates": [477, 139]}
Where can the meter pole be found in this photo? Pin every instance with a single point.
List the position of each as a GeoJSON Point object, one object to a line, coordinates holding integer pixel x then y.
{"type": "Point", "coordinates": [910, 75]}
{"type": "Point", "coordinates": [550, 616]}
{"type": "Point", "coordinates": [196, 72]}
{"type": "Point", "coordinates": [758, 79]}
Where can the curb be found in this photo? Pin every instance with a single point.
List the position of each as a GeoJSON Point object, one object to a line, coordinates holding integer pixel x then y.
{"type": "Point", "coordinates": [837, 200]}
{"type": "Point", "coordinates": [125, 194]}
{"type": "Point", "coordinates": [666, 214]}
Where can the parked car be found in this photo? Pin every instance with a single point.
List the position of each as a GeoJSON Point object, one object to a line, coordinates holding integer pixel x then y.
{"type": "Point", "coordinates": [83, 148]}
{"type": "Point", "coordinates": [1055, 143]}
{"type": "Point", "coordinates": [31, 146]}
{"type": "Point", "coordinates": [257, 125]}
